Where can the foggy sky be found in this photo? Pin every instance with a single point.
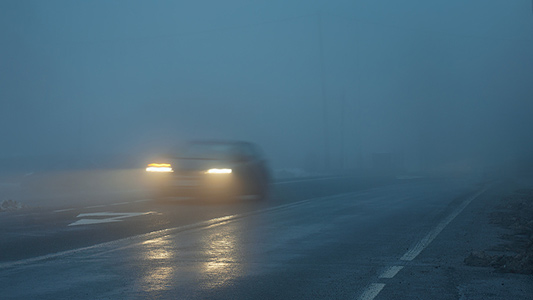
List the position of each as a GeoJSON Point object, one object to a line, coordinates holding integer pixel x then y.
{"type": "Point", "coordinates": [441, 82]}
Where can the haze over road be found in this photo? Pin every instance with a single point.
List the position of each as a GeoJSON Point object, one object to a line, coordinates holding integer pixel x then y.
{"type": "Point", "coordinates": [424, 108]}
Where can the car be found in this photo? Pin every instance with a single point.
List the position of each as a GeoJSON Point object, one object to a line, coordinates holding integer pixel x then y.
{"type": "Point", "coordinates": [211, 170]}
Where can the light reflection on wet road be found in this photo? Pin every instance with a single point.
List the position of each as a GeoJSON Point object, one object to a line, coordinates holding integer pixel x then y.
{"type": "Point", "coordinates": [324, 247]}
{"type": "Point", "coordinates": [157, 254]}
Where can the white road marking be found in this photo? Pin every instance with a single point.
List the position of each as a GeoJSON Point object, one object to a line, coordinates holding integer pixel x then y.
{"type": "Point", "coordinates": [93, 221]}
{"type": "Point", "coordinates": [307, 180]}
{"type": "Point", "coordinates": [390, 272]}
{"type": "Point", "coordinates": [425, 241]}
{"type": "Point", "coordinates": [164, 232]}
{"type": "Point", "coordinates": [95, 206]}
{"type": "Point", "coordinates": [375, 288]}
{"type": "Point", "coordinates": [62, 210]}
{"type": "Point", "coordinates": [372, 291]}
{"type": "Point", "coordinates": [111, 217]}
{"type": "Point", "coordinates": [99, 206]}
{"type": "Point", "coordinates": [142, 200]}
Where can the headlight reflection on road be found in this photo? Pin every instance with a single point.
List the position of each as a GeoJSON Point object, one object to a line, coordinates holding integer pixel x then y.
{"type": "Point", "coordinates": [213, 255]}
{"type": "Point", "coordinates": [222, 251]}
{"type": "Point", "coordinates": [159, 276]}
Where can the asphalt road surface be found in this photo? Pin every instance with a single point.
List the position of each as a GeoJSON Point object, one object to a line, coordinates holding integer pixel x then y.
{"type": "Point", "coordinates": [322, 238]}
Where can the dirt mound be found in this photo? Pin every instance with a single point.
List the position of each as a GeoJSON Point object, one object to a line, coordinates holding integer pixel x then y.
{"type": "Point", "coordinates": [520, 263]}
{"type": "Point", "coordinates": [516, 255]}
{"type": "Point", "coordinates": [9, 205]}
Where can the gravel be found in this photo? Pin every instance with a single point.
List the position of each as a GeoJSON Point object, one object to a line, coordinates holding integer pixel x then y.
{"type": "Point", "coordinates": [10, 205]}
{"type": "Point", "coordinates": [515, 255]}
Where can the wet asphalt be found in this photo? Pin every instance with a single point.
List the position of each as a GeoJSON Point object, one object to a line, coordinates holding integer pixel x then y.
{"type": "Point", "coordinates": [333, 238]}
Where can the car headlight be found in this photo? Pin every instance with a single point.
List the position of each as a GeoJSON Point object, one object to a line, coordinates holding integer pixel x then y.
{"type": "Point", "coordinates": [218, 171]}
{"type": "Point", "coordinates": [164, 168]}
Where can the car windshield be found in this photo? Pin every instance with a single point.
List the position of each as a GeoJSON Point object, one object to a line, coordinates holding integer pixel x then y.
{"type": "Point", "coordinates": [209, 151]}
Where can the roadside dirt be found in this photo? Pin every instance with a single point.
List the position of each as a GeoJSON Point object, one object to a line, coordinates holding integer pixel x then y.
{"type": "Point", "coordinates": [515, 255]}
{"type": "Point", "coordinates": [9, 205]}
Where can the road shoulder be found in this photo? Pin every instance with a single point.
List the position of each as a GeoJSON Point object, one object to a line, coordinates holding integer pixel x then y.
{"type": "Point", "coordinates": [440, 272]}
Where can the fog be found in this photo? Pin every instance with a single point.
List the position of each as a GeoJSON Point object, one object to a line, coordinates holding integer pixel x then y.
{"type": "Point", "coordinates": [319, 85]}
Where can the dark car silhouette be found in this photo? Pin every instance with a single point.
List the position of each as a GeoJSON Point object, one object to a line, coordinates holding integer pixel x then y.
{"type": "Point", "coordinates": [211, 170]}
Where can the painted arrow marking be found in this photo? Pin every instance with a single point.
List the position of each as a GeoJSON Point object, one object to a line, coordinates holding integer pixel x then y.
{"type": "Point", "coordinates": [108, 217]}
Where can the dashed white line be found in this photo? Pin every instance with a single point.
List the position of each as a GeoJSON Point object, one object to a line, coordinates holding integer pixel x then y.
{"type": "Point", "coordinates": [119, 203]}
{"type": "Point", "coordinates": [425, 241]}
{"type": "Point", "coordinates": [390, 272]}
{"type": "Point", "coordinates": [375, 288]}
{"type": "Point", "coordinates": [372, 291]}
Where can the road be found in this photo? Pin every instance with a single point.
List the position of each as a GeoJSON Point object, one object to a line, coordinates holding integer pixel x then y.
{"type": "Point", "coordinates": [321, 238]}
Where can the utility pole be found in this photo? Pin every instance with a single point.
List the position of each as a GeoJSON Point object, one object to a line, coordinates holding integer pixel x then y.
{"type": "Point", "coordinates": [323, 93]}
